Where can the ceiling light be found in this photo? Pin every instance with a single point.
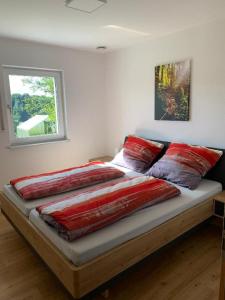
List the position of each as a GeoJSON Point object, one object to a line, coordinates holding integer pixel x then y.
{"type": "Point", "coordinates": [127, 30]}
{"type": "Point", "coordinates": [87, 6]}
{"type": "Point", "coordinates": [101, 48]}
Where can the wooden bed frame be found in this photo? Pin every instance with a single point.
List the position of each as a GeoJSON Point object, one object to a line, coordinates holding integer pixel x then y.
{"type": "Point", "coordinates": [81, 280]}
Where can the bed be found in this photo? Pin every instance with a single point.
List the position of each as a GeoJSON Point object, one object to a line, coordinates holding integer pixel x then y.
{"type": "Point", "coordinates": [90, 261]}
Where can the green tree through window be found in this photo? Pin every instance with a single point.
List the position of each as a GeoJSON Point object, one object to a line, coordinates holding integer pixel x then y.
{"type": "Point", "coordinates": [40, 102]}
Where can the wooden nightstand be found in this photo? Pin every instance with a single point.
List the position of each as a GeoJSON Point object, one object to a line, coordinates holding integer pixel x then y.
{"type": "Point", "coordinates": [106, 158]}
{"type": "Point", "coordinates": [219, 205]}
{"type": "Point", "coordinates": [219, 211]}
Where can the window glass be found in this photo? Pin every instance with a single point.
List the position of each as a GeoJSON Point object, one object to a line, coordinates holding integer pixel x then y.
{"type": "Point", "coordinates": [34, 105]}
{"type": "Point", "coordinates": [35, 102]}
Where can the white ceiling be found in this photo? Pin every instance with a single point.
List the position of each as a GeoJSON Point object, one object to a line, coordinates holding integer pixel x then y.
{"type": "Point", "coordinates": [51, 22]}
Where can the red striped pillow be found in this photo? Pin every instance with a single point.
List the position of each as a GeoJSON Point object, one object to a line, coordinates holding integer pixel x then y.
{"type": "Point", "coordinates": [138, 153]}
{"type": "Point", "coordinates": [185, 164]}
{"type": "Point", "coordinates": [200, 158]}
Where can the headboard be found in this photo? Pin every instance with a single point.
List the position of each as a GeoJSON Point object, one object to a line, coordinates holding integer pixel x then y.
{"type": "Point", "coordinates": [217, 173]}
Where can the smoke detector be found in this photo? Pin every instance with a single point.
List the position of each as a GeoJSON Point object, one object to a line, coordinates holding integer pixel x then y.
{"type": "Point", "coordinates": [87, 6]}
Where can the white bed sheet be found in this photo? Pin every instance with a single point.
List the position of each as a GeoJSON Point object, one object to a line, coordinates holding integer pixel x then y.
{"type": "Point", "coordinates": [94, 244]}
{"type": "Point", "coordinates": [26, 206]}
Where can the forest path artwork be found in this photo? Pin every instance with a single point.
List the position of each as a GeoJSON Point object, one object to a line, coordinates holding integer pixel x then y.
{"type": "Point", "coordinates": [172, 91]}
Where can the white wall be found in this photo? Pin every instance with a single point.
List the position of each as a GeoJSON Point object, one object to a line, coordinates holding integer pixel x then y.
{"type": "Point", "coordinates": [125, 79]}
{"type": "Point", "coordinates": [130, 88]}
{"type": "Point", "coordinates": [84, 82]}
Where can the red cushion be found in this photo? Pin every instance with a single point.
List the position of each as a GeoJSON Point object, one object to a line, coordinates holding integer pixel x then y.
{"type": "Point", "coordinates": [185, 164]}
{"type": "Point", "coordinates": [138, 153]}
{"type": "Point", "coordinates": [200, 158]}
{"type": "Point", "coordinates": [142, 149]}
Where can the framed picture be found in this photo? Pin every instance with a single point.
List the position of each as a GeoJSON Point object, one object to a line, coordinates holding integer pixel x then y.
{"type": "Point", "coordinates": [172, 91]}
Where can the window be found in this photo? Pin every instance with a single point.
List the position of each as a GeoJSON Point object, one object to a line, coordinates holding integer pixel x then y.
{"type": "Point", "coordinates": [35, 104]}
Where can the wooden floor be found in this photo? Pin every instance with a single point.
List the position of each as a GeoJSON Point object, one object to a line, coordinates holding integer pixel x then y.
{"type": "Point", "coordinates": [187, 269]}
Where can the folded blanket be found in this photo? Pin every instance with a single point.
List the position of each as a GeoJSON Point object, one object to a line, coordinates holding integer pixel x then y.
{"type": "Point", "coordinates": [76, 216]}
{"type": "Point", "coordinates": [47, 184]}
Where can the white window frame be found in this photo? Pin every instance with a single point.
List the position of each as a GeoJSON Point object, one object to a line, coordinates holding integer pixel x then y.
{"type": "Point", "coordinates": [60, 105]}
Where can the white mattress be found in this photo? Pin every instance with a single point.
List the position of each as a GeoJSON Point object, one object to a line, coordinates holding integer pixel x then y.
{"type": "Point", "coordinates": [94, 244]}
{"type": "Point", "coordinates": [26, 206]}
